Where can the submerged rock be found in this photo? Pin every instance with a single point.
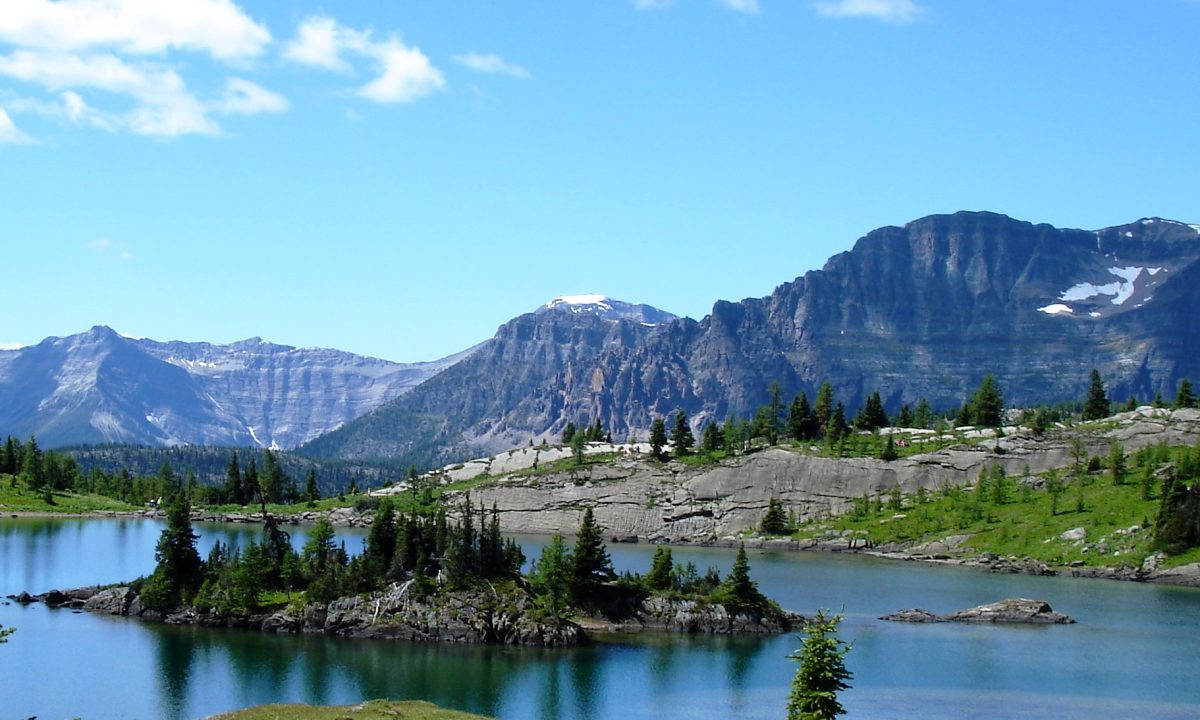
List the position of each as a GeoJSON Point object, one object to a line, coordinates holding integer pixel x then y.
{"type": "Point", "coordinates": [1009, 610]}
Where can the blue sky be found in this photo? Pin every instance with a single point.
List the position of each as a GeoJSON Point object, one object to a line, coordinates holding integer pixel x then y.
{"type": "Point", "coordinates": [397, 179]}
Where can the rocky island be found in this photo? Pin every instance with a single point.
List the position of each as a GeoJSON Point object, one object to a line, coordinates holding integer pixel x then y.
{"type": "Point", "coordinates": [1008, 611]}
{"type": "Point", "coordinates": [421, 579]}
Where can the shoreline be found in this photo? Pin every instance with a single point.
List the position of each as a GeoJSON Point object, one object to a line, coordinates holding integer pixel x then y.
{"type": "Point", "coordinates": [1182, 576]}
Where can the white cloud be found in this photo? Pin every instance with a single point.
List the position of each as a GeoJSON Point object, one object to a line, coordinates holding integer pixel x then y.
{"type": "Point", "coordinates": [81, 50]}
{"type": "Point", "coordinates": [892, 11]}
{"type": "Point", "coordinates": [165, 106]}
{"type": "Point", "coordinates": [217, 27]}
{"type": "Point", "coordinates": [491, 64]}
{"type": "Point", "coordinates": [11, 346]}
{"type": "Point", "coordinates": [750, 7]}
{"type": "Point", "coordinates": [10, 134]}
{"type": "Point", "coordinates": [319, 42]}
{"type": "Point", "coordinates": [243, 97]}
{"type": "Point", "coordinates": [404, 73]}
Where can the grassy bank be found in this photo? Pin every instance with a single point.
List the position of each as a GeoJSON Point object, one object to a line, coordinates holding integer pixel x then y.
{"type": "Point", "coordinates": [371, 710]}
{"type": "Point", "coordinates": [1018, 519]}
{"type": "Point", "coordinates": [15, 497]}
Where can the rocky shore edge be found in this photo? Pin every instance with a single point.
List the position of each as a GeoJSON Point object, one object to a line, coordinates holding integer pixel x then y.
{"type": "Point", "coordinates": [935, 553]}
{"type": "Point", "coordinates": [496, 616]}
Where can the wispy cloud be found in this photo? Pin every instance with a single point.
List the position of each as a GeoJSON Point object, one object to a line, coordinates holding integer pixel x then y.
{"type": "Point", "coordinates": [106, 247]}
{"type": "Point", "coordinates": [10, 134]}
{"type": "Point", "coordinates": [404, 73]}
{"type": "Point", "coordinates": [77, 50]}
{"type": "Point", "coordinates": [892, 11]}
{"type": "Point", "coordinates": [243, 97]}
{"type": "Point", "coordinates": [749, 7]}
{"type": "Point", "coordinates": [11, 346]}
{"type": "Point", "coordinates": [491, 64]}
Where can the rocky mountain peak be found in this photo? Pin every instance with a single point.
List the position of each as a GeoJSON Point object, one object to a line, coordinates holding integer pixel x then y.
{"type": "Point", "coordinates": [607, 308]}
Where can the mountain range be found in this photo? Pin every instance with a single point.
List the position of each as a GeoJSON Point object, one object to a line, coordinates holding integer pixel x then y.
{"type": "Point", "coordinates": [103, 387]}
{"type": "Point", "coordinates": [919, 311]}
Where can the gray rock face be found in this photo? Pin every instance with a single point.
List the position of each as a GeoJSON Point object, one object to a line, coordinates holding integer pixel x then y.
{"type": "Point", "coordinates": [100, 386]}
{"type": "Point", "coordinates": [923, 310]}
{"type": "Point", "coordinates": [1009, 610]}
{"type": "Point", "coordinates": [631, 497]}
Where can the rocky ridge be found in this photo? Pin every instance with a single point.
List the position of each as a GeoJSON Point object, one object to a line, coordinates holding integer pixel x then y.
{"type": "Point", "coordinates": [104, 387]}
{"type": "Point", "coordinates": [923, 310]}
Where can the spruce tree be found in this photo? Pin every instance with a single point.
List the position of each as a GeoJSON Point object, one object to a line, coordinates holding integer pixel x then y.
{"type": "Point", "coordinates": [822, 673]}
{"type": "Point", "coordinates": [775, 521]}
{"type": "Point", "coordinates": [682, 439]}
{"type": "Point", "coordinates": [179, 569]}
{"type": "Point", "coordinates": [923, 415]}
{"type": "Point", "coordinates": [823, 407]}
{"type": "Point", "coordinates": [658, 438]}
{"type": "Point", "coordinates": [987, 405]}
{"type": "Point", "coordinates": [904, 418]}
{"type": "Point", "coordinates": [551, 577]}
{"type": "Point", "coordinates": [1095, 406]}
{"type": "Point", "coordinates": [234, 494]}
{"type": "Point", "coordinates": [801, 423]}
{"type": "Point", "coordinates": [1184, 397]}
{"type": "Point", "coordinates": [590, 564]}
{"type": "Point", "coordinates": [660, 576]}
{"type": "Point", "coordinates": [312, 493]}
{"type": "Point", "coordinates": [712, 440]}
{"type": "Point", "coordinates": [568, 433]}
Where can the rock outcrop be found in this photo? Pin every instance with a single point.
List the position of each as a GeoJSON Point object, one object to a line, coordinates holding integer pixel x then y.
{"type": "Point", "coordinates": [634, 497]}
{"type": "Point", "coordinates": [1007, 611]}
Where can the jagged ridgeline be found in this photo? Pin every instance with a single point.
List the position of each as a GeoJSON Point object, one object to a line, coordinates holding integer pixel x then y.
{"type": "Point", "coordinates": [922, 311]}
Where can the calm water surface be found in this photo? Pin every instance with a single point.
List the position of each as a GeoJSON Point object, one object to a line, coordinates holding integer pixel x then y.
{"type": "Point", "coordinates": [1134, 653]}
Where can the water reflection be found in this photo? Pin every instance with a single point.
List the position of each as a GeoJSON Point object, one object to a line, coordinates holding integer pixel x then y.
{"type": "Point", "coordinates": [144, 670]}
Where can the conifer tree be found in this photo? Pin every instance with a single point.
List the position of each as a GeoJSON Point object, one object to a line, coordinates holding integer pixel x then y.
{"type": "Point", "coordinates": [312, 493]}
{"type": "Point", "coordinates": [568, 433]}
{"type": "Point", "coordinates": [871, 416]}
{"type": "Point", "coordinates": [1184, 397]}
{"type": "Point", "coordinates": [904, 418]}
{"type": "Point", "coordinates": [822, 673]}
{"type": "Point", "coordinates": [178, 572]}
{"type": "Point", "coordinates": [712, 440]}
{"type": "Point", "coordinates": [923, 415]}
{"type": "Point", "coordinates": [233, 482]}
{"type": "Point", "coordinates": [682, 439]}
{"type": "Point", "coordinates": [1096, 405]}
{"type": "Point", "coordinates": [551, 577]}
{"type": "Point", "coordinates": [823, 407]}
{"type": "Point", "coordinates": [660, 576]}
{"type": "Point", "coordinates": [658, 438]}
{"type": "Point", "coordinates": [801, 423]}
{"type": "Point", "coordinates": [775, 521]}
{"type": "Point", "coordinates": [590, 564]}
{"type": "Point", "coordinates": [987, 405]}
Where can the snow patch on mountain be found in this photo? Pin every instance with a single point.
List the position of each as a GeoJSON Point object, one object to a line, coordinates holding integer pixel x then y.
{"type": "Point", "coordinates": [1055, 309]}
{"type": "Point", "coordinates": [1121, 291]}
{"type": "Point", "coordinates": [607, 308]}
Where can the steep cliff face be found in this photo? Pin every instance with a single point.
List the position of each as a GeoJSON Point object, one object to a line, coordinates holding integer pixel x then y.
{"type": "Point", "coordinates": [527, 381]}
{"type": "Point", "coordinates": [925, 310]}
{"type": "Point", "coordinates": [100, 386]}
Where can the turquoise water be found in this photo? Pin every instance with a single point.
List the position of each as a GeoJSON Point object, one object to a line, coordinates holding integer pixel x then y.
{"type": "Point", "coordinates": [1134, 653]}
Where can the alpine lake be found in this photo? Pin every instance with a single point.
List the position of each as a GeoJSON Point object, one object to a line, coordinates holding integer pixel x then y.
{"type": "Point", "coordinates": [1134, 652]}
